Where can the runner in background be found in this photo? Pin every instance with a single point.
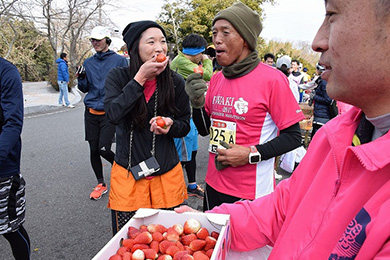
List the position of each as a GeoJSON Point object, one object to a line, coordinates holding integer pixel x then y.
{"type": "Point", "coordinates": [191, 59]}
{"type": "Point", "coordinates": [99, 132]}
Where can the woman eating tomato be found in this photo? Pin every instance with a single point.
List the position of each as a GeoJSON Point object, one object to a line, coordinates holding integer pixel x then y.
{"type": "Point", "coordinates": [146, 172]}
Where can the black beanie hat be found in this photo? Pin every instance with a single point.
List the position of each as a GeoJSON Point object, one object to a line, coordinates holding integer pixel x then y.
{"type": "Point", "coordinates": [135, 29]}
{"type": "Point", "coordinates": [245, 20]}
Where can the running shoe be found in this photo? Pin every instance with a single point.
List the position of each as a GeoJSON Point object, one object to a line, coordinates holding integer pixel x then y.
{"type": "Point", "coordinates": [98, 192]}
{"type": "Point", "coordinates": [197, 192]}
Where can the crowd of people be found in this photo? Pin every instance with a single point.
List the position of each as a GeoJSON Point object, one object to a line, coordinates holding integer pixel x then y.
{"type": "Point", "coordinates": [334, 204]}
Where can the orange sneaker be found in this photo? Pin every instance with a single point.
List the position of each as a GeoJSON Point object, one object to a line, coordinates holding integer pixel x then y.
{"type": "Point", "coordinates": [197, 192]}
{"type": "Point", "coordinates": [98, 192]}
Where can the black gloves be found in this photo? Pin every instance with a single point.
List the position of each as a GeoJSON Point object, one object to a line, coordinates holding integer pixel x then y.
{"type": "Point", "coordinates": [196, 88]}
{"type": "Point", "coordinates": [80, 72]}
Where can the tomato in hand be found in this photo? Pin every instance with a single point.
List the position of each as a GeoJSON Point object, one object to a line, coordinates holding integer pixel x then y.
{"type": "Point", "coordinates": [160, 122]}
{"type": "Point", "coordinates": [160, 57]}
{"type": "Point", "coordinates": [199, 69]}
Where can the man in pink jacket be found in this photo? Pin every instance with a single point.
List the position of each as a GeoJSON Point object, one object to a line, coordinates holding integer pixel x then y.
{"type": "Point", "coordinates": [336, 205]}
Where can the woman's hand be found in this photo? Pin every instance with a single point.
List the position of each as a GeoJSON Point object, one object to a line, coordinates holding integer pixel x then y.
{"type": "Point", "coordinates": [150, 69]}
{"type": "Point", "coordinates": [184, 208]}
{"type": "Point", "coordinates": [159, 128]}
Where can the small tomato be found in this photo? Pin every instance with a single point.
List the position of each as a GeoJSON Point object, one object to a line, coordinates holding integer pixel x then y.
{"type": "Point", "coordinates": [160, 122]}
{"type": "Point", "coordinates": [199, 69]}
{"type": "Point", "coordinates": [160, 57]}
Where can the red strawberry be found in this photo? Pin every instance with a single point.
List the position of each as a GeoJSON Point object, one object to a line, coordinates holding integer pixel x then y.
{"type": "Point", "coordinates": [178, 228]}
{"type": "Point", "coordinates": [172, 235]}
{"type": "Point", "coordinates": [157, 236]}
{"type": "Point", "coordinates": [202, 233]}
{"type": "Point", "coordinates": [129, 243]}
{"type": "Point", "coordinates": [172, 250]}
{"type": "Point", "coordinates": [191, 226]}
{"type": "Point", "coordinates": [150, 253]}
{"type": "Point", "coordinates": [179, 245]}
{"type": "Point", "coordinates": [200, 256]}
{"type": "Point", "coordinates": [215, 234]}
{"type": "Point", "coordinates": [157, 227]}
{"type": "Point", "coordinates": [143, 228]}
{"type": "Point", "coordinates": [164, 257]}
{"type": "Point", "coordinates": [187, 239]}
{"type": "Point", "coordinates": [139, 246]}
{"type": "Point", "coordinates": [210, 243]}
{"type": "Point", "coordinates": [187, 257]}
{"type": "Point", "coordinates": [197, 245]}
{"type": "Point", "coordinates": [209, 252]}
{"type": "Point", "coordinates": [180, 254]}
{"type": "Point", "coordinates": [143, 238]}
{"type": "Point", "coordinates": [127, 256]}
{"type": "Point", "coordinates": [115, 257]}
{"type": "Point", "coordinates": [132, 232]}
{"type": "Point", "coordinates": [155, 245]}
{"type": "Point", "coordinates": [138, 255]}
{"type": "Point", "coordinates": [187, 248]}
{"type": "Point", "coordinates": [121, 250]}
{"type": "Point", "coordinates": [164, 245]}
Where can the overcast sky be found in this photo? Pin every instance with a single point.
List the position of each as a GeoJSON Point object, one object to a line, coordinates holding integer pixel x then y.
{"type": "Point", "coordinates": [286, 21]}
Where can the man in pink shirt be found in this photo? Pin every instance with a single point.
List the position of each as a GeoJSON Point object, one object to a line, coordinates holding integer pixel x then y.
{"type": "Point", "coordinates": [248, 106]}
{"type": "Point", "coordinates": [336, 205]}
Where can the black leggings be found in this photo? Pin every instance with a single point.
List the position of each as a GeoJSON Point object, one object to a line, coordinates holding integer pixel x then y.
{"type": "Point", "coordinates": [315, 129]}
{"type": "Point", "coordinates": [215, 198]}
{"type": "Point", "coordinates": [191, 168]}
{"type": "Point", "coordinates": [20, 243]}
{"type": "Point", "coordinates": [96, 150]}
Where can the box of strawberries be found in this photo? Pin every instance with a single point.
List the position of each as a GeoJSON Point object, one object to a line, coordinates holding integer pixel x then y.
{"type": "Point", "coordinates": [167, 235]}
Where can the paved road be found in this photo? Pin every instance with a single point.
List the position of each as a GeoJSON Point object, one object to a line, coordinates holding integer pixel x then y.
{"type": "Point", "coordinates": [63, 223]}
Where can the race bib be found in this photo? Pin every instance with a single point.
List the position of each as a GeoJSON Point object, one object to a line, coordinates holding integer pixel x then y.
{"type": "Point", "coordinates": [221, 130]}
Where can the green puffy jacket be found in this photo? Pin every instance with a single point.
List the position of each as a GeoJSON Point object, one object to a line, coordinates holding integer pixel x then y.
{"type": "Point", "coordinates": [182, 65]}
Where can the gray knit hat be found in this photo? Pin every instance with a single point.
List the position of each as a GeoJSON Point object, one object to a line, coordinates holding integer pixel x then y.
{"type": "Point", "coordinates": [245, 20]}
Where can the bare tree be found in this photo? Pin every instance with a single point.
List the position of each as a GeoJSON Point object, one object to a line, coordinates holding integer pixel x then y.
{"type": "Point", "coordinates": [64, 23]}
{"type": "Point", "coordinates": [5, 18]}
{"type": "Point", "coordinates": [5, 6]}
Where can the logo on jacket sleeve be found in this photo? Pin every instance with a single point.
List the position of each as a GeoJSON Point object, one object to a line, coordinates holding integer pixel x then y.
{"type": "Point", "coordinates": [353, 238]}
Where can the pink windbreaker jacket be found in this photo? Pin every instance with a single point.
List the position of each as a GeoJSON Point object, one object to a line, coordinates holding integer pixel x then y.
{"type": "Point", "coordinates": [336, 205]}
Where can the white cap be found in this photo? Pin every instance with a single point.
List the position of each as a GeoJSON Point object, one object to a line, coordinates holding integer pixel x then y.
{"type": "Point", "coordinates": [286, 60]}
{"type": "Point", "coordinates": [99, 33]}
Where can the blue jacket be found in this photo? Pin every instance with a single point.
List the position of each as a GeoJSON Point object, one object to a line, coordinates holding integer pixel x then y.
{"type": "Point", "coordinates": [62, 71]}
{"type": "Point", "coordinates": [321, 101]}
{"type": "Point", "coordinates": [11, 119]}
{"type": "Point", "coordinates": [96, 69]}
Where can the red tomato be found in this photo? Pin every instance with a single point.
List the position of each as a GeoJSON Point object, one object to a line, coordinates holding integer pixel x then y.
{"type": "Point", "coordinates": [160, 122]}
{"type": "Point", "coordinates": [199, 69]}
{"type": "Point", "coordinates": [160, 57]}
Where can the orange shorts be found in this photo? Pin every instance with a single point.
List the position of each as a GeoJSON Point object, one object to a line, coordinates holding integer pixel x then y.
{"type": "Point", "coordinates": [163, 191]}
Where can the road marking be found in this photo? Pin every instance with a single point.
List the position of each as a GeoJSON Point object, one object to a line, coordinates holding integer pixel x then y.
{"type": "Point", "coordinates": [45, 113]}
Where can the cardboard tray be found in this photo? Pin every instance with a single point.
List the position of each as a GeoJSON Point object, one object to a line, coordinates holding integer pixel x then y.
{"type": "Point", "coordinates": [212, 221]}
